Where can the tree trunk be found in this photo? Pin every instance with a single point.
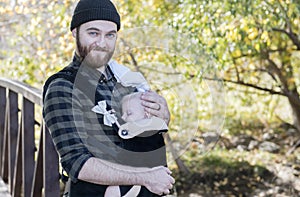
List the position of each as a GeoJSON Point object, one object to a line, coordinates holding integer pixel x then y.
{"type": "Point", "coordinates": [294, 101]}
{"type": "Point", "coordinates": [181, 166]}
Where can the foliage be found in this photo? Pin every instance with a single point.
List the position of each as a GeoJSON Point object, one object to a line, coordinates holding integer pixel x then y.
{"type": "Point", "coordinates": [36, 37]}
{"type": "Point", "coordinates": [184, 48]}
{"type": "Point", "coordinates": [255, 42]}
{"type": "Point", "coordinates": [232, 173]}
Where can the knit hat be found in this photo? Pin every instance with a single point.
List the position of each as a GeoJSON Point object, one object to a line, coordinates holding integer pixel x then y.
{"type": "Point", "coordinates": [89, 10]}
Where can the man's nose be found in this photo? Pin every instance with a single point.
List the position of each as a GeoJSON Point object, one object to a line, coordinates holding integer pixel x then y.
{"type": "Point", "coordinates": [101, 42]}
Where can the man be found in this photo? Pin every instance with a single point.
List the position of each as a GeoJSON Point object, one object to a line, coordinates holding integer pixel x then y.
{"type": "Point", "coordinates": [69, 96]}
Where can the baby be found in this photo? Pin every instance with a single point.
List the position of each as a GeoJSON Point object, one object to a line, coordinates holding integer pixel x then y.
{"type": "Point", "coordinates": [137, 122]}
{"type": "Point", "coordinates": [132, 108]}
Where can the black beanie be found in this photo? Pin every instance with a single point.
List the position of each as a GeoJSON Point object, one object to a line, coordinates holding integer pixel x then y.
{"type": "Point", "coordinates": [89, 10]}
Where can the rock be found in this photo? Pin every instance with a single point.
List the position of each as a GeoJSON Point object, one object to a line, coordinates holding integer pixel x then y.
{"type": "Point", "coordinates": [269, 147]}
{"type": "Point", "coordinates": [243, 140]}
{"type": "Point", "coordinates": [292, 131]}
{"type": "Point", "coordinates": [267, 136]}
{"type": "Point", "coordinates": [210, 137]}
{"type": "Point", "coordinates": [241, 148]}
{"type": "Point", "coordinates": [253, 144]}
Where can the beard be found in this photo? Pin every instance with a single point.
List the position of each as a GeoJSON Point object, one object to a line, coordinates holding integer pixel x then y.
{"type": "Point", "coordinates": [94, 56]}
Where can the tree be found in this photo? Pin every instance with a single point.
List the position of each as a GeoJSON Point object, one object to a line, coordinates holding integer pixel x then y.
{"type": "Point", "coordinates": [46, 45]}
{"type": "Point", "coordinates": [257, 43]}
{"type": "Point", "coordinates": [35, 38]}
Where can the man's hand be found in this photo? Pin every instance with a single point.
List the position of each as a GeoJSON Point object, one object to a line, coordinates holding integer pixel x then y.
{"type": "Point", "coordinates": [158, 180]}
{"type": "Point", "coordinates": [156, 105]}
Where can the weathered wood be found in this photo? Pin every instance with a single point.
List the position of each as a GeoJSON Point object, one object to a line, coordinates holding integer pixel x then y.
{"type": "Point", "coordinates": [31, 93]}
{"type": "Point", "coordinates": [37, 183]}
{"type": "Point", "coordinates": [51, 175]}
{"type": "Point", "coordinates": [17, 181]}
{"type": "Point", "coordinates": [28, 145]}
{"type": "Point", "coordinates": [2, 119]}
{"type": "Point", "coordinates": [26, 175]}
{"type": "Point", "coordinates": [4, 159]}
{"type": "Point", "coordinates": [13, 127]}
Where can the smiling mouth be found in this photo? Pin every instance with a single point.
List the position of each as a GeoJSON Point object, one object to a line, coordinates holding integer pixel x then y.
{"type": "Point", "coordinates": [100, 51]}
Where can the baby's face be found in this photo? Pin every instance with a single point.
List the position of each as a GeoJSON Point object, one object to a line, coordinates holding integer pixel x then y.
{"type": "Point", "coordinates": [132, 109]}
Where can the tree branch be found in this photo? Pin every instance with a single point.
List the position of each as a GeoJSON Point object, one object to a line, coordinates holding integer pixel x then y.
{"type": "Point", "coordinates": [247, 85]}
{"type": "Point", "coordinates": [135, 64]}
{"type": "Point", "coordinates": [160, 71]}
{"type": "Point", "coordinates": [274, 68]}
{"type": "Point", "coordinates": [290, 34]}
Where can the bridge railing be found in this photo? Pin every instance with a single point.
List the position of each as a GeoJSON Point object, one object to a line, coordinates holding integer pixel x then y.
{"type": "Point", "coordinates": [28, 160]}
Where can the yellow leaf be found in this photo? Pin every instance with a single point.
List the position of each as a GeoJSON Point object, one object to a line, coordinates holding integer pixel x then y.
{"type": "Point", "coordinates": [237, 53]}
{"type": "Point", "coordinates": [265, 36]}
{"type": "Point", "coordinates": [252, 33]}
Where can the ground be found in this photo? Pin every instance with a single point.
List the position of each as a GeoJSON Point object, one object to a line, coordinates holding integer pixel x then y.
{"type": "Point", "coordinates": [229, 170]}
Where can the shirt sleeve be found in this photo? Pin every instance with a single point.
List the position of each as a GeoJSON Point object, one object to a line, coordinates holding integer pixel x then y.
{"type": "Point", "coordinates": [61, 109]}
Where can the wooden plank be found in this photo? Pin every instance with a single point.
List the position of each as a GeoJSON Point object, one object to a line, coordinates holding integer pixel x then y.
{"type": "Point", "coordinates": [28, 145]}
{"type": "Point", "coordinates": [51, 171]}
{"type": "Point", "coordinates": [40, 177]}
{"type": "Point", "coordinates": [12, 134]}
{"type": "Point", "coordinates": [4, 159]}
{"type": "Point", "coordinates": [2, 120]}
{"type": "Point", "coordinates": [37, 183]}
{"type": "Point", "coordinates": [17, 181]}
{"type": "Point", "coordinates": [31, 93]}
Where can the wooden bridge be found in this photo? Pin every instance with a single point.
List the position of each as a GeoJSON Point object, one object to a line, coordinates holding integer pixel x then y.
{"type": "Point", "coordinates": [29, 164]}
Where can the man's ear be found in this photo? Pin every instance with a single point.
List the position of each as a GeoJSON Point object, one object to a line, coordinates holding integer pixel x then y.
{"type": "Point", "coordinates": [74, 32]}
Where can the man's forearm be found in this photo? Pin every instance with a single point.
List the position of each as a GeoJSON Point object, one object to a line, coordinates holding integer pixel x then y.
{"type": "Point", "coordinates": [157, 180]}
{"type": "Point", "coordinates": [102, 172]}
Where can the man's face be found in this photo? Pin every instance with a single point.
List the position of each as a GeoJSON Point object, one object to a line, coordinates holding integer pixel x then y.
{"type": "Point", "coordinates": [96, 41]}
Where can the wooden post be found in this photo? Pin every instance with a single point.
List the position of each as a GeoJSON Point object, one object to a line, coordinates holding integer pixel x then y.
{"type": "Point", "coordinates": [2, 120]}
{"type": "Point", "coordinates": [17, 181]}
{"type": "Point", "coordinates": [4, 158]}
{"type": "Point", "coordinates": [26, 175]}
{"type": "Point", "coordinates": [2, 123]}
{"type": "Point", "coordinates": [13, 122]}
{"type": "Point", "coordinates": [28, 145]}
{"type": "Point", "coordinates": [51, 171]}
{"type": "Point", "coordinates": [37, 183]}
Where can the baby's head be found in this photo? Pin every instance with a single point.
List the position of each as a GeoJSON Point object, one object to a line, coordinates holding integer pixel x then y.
{"type": "Point", "coordinates": [132, 108]}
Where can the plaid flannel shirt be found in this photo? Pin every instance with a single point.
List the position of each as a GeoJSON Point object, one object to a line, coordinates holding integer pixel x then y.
{"type": "Point", "coordinates": [79, 133]}
{"type": "Point", "coordinates": [73, 126]}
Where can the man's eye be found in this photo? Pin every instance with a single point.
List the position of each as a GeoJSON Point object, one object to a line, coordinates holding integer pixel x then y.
{"type": "Point", "coordinates": [93, 33]}
{"type": "Point", "coordinates": [129, 113]}
{"type": "Point", "coordinates": [110, 36]}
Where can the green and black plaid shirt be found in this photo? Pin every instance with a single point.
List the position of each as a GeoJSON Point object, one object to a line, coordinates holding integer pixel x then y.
{"type": "Point", "coordinates": [68, 116]}
{"type": "Point", "coordinates": [79, 133]}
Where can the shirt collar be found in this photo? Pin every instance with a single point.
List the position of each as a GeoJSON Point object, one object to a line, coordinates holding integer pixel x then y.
{"type": "Point", "coordinates": [109, 74]}
{"type": "Point", "coordinates": [76, 58]}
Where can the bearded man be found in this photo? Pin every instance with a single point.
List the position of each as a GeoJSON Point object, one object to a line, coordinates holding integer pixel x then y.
{"type": "Point", "coordinates": [90, 150]}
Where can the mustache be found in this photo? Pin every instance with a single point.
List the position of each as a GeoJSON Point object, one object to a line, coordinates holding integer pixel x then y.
{"type": "Point", "coordinates": [97, 48]}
